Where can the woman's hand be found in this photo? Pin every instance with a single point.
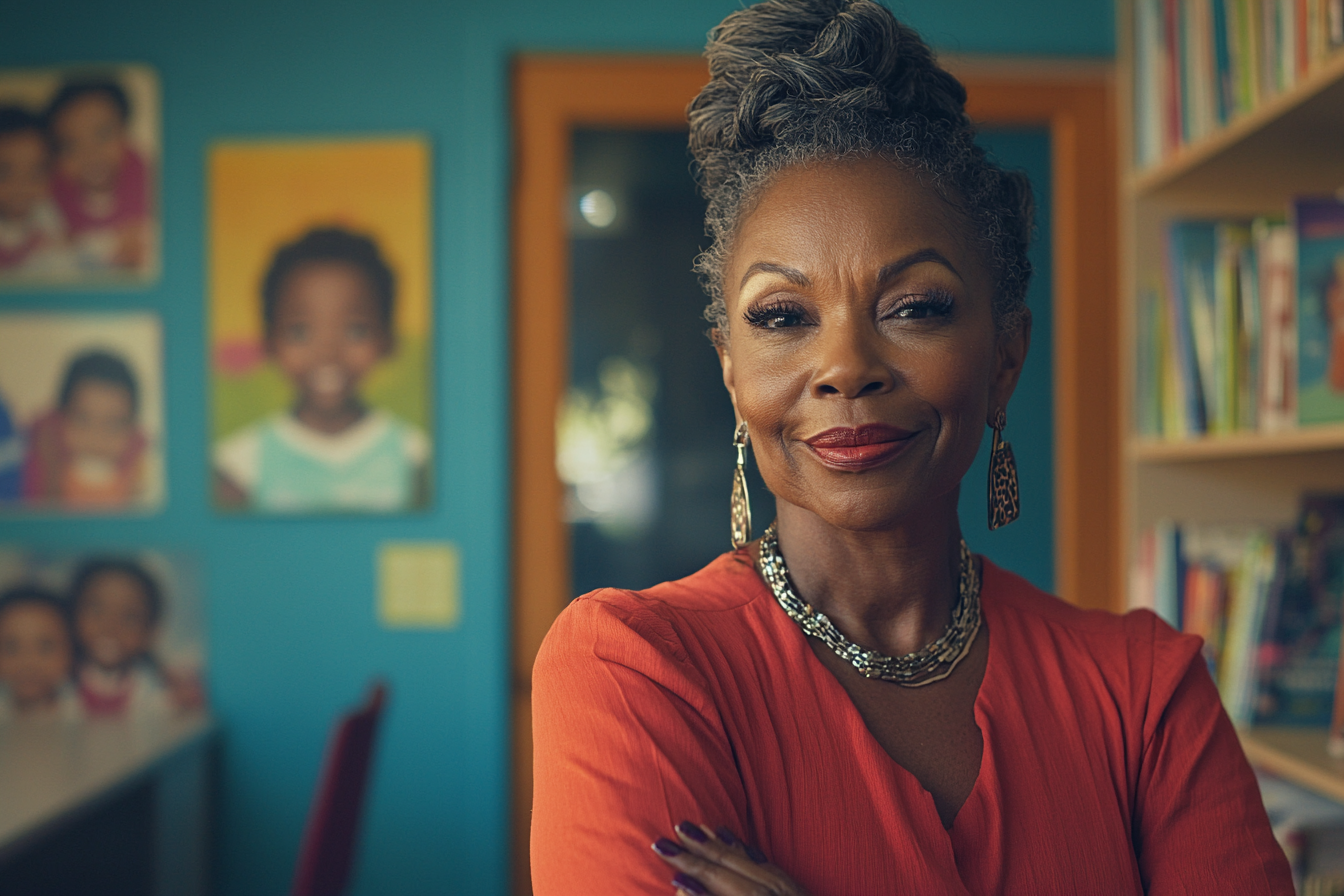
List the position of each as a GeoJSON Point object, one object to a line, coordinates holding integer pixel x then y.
{"type": "Point", "coordinates": [715, 863]}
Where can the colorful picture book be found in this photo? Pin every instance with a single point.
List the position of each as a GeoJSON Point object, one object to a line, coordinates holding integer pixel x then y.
{"type": "Point", "coordinates": [1266, 602]}
{"type": "Point", "coordinates": [1242, 328]}
{"type": "Point", "coordinates": [1320, 309]}
{"type": "Point", "coordinates": [1216, 331]}
{"type": "Point", "coordinates": [1199, 64]}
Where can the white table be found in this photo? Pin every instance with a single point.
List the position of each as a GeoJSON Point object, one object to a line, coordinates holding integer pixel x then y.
{"type": "Point", "coordinates": [53, 772]}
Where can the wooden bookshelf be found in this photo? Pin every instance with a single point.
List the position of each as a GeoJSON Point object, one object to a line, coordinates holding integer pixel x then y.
{"type": "Point", "coordinates": [1256, 164]}
{"type": "Point", "coordinates": [1304, 124]}
{"type": "Point", "coordinates": [1297, 755]}
{"type": "Point", "coordinates": [1242, 444]}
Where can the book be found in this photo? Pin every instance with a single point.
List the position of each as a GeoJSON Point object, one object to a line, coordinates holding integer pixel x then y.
{"type": "Point", "coordinates": [1266, 602]}
{"type": "Point", "coordinates": [1199, 64]}
{"type": "Point", "coordinates": [1299, 653]}
{"type": "Point", "coordinates": [1189, 245]}
{"type": "Point", "coordinates": [1319, 229]}
{"type": "Point", "coordinates": [1211, 335]}
{"type": "Point", "coordinates": [1248, 336]}
{"type": "Point", "coordinates": [1168, 573]}
{"type": "Point", "coordinates": [1250, 583]}
{"type": "Point", "coordinates": [1150, 345]}
{"type": "Point", "coordinates": [1277, 263]}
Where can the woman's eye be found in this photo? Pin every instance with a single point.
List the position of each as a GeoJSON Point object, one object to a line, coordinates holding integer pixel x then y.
{"type": "Point", "coordinates": [775, 318]}
{"type": "Point", "coordinates": [920, 307]}
{"type": "Point", "coordinates": [296, 332]}
{"type": "Point", "coordinates": [357, 332]}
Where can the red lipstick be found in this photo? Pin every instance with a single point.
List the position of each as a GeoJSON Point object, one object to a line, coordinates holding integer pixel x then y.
{"type": "Point", "coordinates": [859, 447]}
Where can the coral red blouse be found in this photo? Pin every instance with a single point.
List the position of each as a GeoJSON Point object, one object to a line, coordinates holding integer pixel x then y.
{"type": "Point", "coordinates": [1109, 765]}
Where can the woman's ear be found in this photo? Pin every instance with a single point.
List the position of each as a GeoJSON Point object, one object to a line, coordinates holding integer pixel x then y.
{"type": "Point", "coordinates": [1010, 354]}
{"type": "Point", "coordinates": [726, 363]}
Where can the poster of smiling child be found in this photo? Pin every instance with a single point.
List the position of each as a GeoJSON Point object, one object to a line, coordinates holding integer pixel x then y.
{"type": "Point", "coordinates": [79, 154]}
{"type": "Point", "coordinates": [84, 397]}
{"type": "Point", "coordinates": [97, 635]}
{"type": "Point", "coordinates": [320, 323]}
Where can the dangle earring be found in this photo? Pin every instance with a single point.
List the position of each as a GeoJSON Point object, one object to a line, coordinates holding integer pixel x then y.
{"type": "Point", "coordinates": [741, 506]}
{"type": "Point", "coordinates": [1004, 503]}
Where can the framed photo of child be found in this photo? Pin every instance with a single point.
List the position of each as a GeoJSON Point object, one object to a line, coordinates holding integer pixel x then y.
{"type": "Point", "coordinates": [320, 325]}
{"type": "Point", "coordinates": [79, 161]}
{"type": "Point", "coordinates": [98, 635]}
{"type": "Point", "coordinates": [81, 412]}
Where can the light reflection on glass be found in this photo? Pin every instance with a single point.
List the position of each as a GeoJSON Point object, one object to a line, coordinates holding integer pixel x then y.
{"type": "Point", "coordinates": [598, 208]}
{"type": "Point", "coordinates": [603, 450]}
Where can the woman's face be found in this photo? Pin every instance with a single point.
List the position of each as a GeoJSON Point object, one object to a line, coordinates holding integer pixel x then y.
{"type": "Point", "coordinates": [862, 350]}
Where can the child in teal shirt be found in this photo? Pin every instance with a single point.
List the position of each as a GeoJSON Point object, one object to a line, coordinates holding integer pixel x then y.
{"type": "Point", "coordinates": [327, 303]}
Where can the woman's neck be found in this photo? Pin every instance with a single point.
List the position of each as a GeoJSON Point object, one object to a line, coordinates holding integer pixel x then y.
{"type": "Point", "coordinates": [890, 590]}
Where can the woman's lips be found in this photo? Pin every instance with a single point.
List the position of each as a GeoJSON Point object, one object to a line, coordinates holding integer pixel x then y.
{"type": "Point", "coordinates": [859, 447]}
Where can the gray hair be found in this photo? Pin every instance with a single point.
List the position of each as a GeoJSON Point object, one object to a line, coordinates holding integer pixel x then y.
{"type": "Point", "coordinates": [794, 82]}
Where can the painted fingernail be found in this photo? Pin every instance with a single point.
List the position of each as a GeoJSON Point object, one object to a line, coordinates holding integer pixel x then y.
{"type": "Point", "coordinates": [665, 847]}
{"type": "Point", "coordinates": [756, 855]}
{"type": "Point", "coordinates": [725, 835]}
{"type": "Point", "coordinates": [693, 831]}
{"type": "Point", "coordinates": [685, 882]}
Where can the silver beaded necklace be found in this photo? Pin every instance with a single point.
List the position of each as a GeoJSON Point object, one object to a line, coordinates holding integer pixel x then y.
{"type": "Point", "coordinates": [933, 663]}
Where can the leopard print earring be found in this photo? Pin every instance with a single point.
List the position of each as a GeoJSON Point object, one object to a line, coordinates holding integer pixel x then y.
{"type": "Point", "coordinates": [1004, 502]}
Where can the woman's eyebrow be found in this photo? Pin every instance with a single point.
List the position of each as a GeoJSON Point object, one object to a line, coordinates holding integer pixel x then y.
{"type": "Point", "coordinates": [793, 275]}
{"type": "Point", "coordinates": [891, 270]}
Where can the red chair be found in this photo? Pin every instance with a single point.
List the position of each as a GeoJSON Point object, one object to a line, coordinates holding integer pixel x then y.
{"type": "Point", "coordinates": [333, 821]}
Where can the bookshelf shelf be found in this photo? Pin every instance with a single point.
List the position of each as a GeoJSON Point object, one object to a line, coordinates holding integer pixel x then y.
{"type": "Point", "coordinates": [1307, 440]}
{"type": "Point", "coordinates": [1249, 151]}
{"type": "Point", "coordinates": [1298, 755]}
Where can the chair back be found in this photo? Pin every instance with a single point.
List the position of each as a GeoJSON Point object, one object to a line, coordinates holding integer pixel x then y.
{"type": "Point", "coordinates": [328, 846]}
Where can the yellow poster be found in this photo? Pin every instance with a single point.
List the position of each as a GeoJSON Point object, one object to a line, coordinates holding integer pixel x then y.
{"type": "Point", "coordinates": [319, 284]}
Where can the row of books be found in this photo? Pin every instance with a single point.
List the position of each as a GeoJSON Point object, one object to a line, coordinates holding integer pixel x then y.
{"type": "Point", "coordinates": [1267, 603]}
{"type": "Point", "coordinates": [1243, 327]}
{"type": "Point", "coordinates": [1198, 64]}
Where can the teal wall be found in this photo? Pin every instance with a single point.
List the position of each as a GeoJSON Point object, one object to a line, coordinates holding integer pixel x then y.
{"type": "Point", "coordinates": [292, 632]}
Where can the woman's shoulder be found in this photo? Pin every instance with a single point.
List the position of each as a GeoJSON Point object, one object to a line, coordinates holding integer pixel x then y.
{"type": "Point", "coordinates": [1028, 611]}
{"type": "Point", "coordinates": [659, 616]}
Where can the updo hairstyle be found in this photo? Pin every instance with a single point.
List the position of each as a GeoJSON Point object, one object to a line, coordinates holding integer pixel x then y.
{"type": "Point", "coordinates": [800, 81]}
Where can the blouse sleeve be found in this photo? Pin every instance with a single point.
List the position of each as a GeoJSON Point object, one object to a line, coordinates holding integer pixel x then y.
{"type": "Point", "coordinates": [1200, 825]}
{"type": "Point", "coordinates": [627, 743]}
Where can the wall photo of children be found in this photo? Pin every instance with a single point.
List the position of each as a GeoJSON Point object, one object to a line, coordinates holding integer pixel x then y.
{"type": "Point", "coordinates": [98, 636]}
{"type": "Point", "coordinates": [79, 156]}
{"type": "Point", "coordinates": [81, 412]}
{"type": "Point", "coordinates": [320, 326]}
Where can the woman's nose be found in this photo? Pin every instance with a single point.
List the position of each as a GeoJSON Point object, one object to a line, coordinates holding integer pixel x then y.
{"type": "Point", "coordinates": [849, 363]}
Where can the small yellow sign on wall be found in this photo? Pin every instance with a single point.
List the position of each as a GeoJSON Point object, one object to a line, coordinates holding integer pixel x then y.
{"type": "Point", "coordinates": [419, 584]}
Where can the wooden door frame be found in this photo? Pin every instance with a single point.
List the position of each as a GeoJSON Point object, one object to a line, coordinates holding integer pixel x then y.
{"type": "Point", "coordinates": [553, 95]}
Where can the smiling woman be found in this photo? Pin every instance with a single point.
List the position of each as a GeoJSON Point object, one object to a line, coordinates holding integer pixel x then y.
{"type": "Point", "coordinates": [856, 696]}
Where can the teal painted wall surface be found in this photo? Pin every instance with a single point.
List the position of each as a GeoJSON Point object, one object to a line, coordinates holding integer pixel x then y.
{"type": "Point", "coordinates": [293, 637]}
{"type": "Point", "coordinates": [1026, 546]}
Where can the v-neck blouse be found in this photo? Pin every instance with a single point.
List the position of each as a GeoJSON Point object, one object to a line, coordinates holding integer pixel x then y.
{"type": "Point", "coordinates": [1108, 765]}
